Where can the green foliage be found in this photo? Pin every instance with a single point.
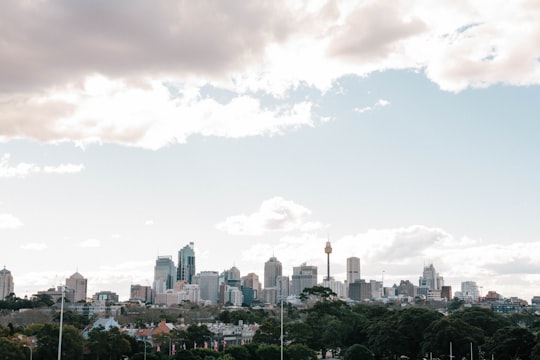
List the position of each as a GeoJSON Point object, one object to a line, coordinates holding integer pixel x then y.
{"type": "Point", "coordinates": [358, 351]}
{"type": "Point", "coordinates": [268, 333]}
{"type": "Point", "coordinates": [11, 350]}
{"type": "Point", "coordinates": [238, 352]}
{"type": "Point", "coordinates": [482, 318]}
{"type": "Point", "coordinates": [511, 343]}
{"type": "Point", "coordinates": [300, 352]}
{"type": "Point", "coordinates": [47, 341]}
{"type": "Point", "coordinates": [442, 332]}
{"type": "Point", "coordinates": [108, 344]}
{"type": "Point", "coordinates": [71, 318]}
{"type": "Point", "coordinates": [270, 352]}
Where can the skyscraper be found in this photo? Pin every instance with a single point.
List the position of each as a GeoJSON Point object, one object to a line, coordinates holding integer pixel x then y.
{"type": "Point", "coordinates": [272, 269]}
{"type": "Point", "coordinates": [209, 285]}
{"type": "Point", "coordinates": [164, 274]}
{"type": "Point", "coordinates": [77, 286]}
{"type": "Point", "coordinates": [353, 269]}
{"type": "Point", "coordinates": [430, 279]}
{"type": "Point", "coordinates": [304, 276]}
{"type": "Point", "coordinates": [186, 263]}
{"type": "Point", "coordinates": [6, 283]}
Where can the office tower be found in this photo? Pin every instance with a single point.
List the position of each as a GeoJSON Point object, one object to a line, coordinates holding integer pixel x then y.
{"type": "Point", "coordinates": [353, 269]}
{"type": "Point", "coordinates": [304, 276]}
{"type": "Point", "coordinates": [141, 293]}
{"type": "Point", "coordinates": [77, 285]}
{"type": "Point", "coordinates": [208, 282]}
{"type": "Point", "coordinates": [430, 279]}
{"type": "Point", "coordinates": [328, 251]}
{"type": "Point", "coordinates": [469, 291]}
{"type": "Point", "coordinates": [360, 290]}
{"type": "Point", "coordinates": [272, 269]}
{"type": "Point", "coordinates": [407, 288]}
{"type": "Point", "coordinates": [336, 286]}
{"type": "Point", "coordinates": [283, 286]}
{"type": "Point", "coordinates": [233, 277]}
{"type": "Point", "coordinates": [446, 292]}
{"type": "Point", "coordinates": [251, 281]}
{"type": "Point", "coordinates": [6, 283]}
{"type": "Point", "coordinates": [186, 263]}
{"type": "Point", "coordinates": [164, 274]}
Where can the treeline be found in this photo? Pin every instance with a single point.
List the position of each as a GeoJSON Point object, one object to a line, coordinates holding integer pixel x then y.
{"type": "Point", "coordinates": [322, 326]}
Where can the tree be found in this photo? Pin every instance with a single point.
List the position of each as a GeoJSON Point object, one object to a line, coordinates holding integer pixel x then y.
{"type": "Point", "coordinates": [482, 318]}
{"type": "Point", "coordinates": [269, 352]}
{"type": "Point", "coordinates": [410, 326]}
{"type": "Point", "coordinates": [444, 331]}
{"type": "Point", "coordinates": [238, 352]}
{"type": "Point", "coordinates": [11, 350]}
{"type": "Point", "coordinates": [511, 343]}
{"type": "Point", "coordinates": [110, 344]}
{"type": "Point", "coordinates": [268, 333]}
{"type": "Point", "coordinates": [358, 351]}
{"type": "Point", "coordinates": [300, 352]}
{"type": "Point", "coordinates": [47, 340]}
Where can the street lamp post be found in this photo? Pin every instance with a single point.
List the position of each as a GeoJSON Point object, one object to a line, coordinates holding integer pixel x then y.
{"type": "Point", "coordinates": [26, 346]}
{"type": "Point", "coordinates": [61, 323]}
{"type": "Point", "coordinates": [168, 337]}
{"type": "Point", "coordinates": [144, 342]}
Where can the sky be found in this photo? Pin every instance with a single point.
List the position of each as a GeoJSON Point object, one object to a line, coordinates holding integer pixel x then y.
{"type": "Point", "coordinates": [405, 132]}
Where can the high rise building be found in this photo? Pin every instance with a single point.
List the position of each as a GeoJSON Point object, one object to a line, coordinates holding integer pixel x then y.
{"type": "Point", "coordinates": [304, 276]}
{"type": "Point", "coordinates": [469, 291]}
{"type": "Point", "coordinates": [164, 274]}
{"type": "Point", "coordinates": [142, 293]}
{"type": "Point", "coordinates": [6, 283]}
{"type": "Point", "coordinates": [208, 282]}
{"type": "Point", "coordinates": [353, 269]}
{"type": "Point", "coordinates": [186, 263]}
{"type": "Point", "coordinates": [272, 269]}
{"type": "Point", "coordinates": [77, 285]}
{"type": "Point", "coordinates": [251, 281]}
{"type": "Point", "coordinates": [233, 277]}
{"type": "Point", "coordinates": [430, 279]}
{"type": "Point", "coordinates": [283, 286]}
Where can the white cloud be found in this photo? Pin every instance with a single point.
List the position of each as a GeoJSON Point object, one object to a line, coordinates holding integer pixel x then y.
{"type": "Point", "coordinates": [104, 79]}
{"type": "Point", "coordinates": [149, 222]}
{"type": "Point", "coordinates": [64, 169]}
{"type": "Point", "coordinates": [90, 243]}
{"type": "Point", "coordinates": [20, 170]}
{"type": "Point", "coordinates": [401, 253]}
{"type": "Point", "coordinates": [8, 221]}
{"type": "Point", "coordinates": [24, 169]}
{"type": "Point", "coordinates": [379, 103]}
{"type": "Point", "coordinates": [275, 214]}
{"type": "Point", "coordinates": [34, 246]}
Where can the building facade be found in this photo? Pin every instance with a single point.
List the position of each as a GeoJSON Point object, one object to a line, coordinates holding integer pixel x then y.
{"type": "Point", "coordinates": [77, 286]}
{"type": "Point", "coordinates": [208, 282]}
{"type": "Point", "coordinates": [164, 274]}
{"type": "Point", "coordinates": [304, 276]}
{"type": "Point", "coordinates": [186, 263]}
{"type": "Point", "coordinates": [6, 283]}
{"type": "Point", "coordinates": [353, 269]}
{"type": "Point", "coordinates": [272, 269]}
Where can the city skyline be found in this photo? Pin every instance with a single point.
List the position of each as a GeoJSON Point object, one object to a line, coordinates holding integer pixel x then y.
{"type": "Point", "coordinates": [406, 133]}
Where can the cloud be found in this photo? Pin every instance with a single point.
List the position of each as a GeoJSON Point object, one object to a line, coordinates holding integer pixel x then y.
{"type": "Point", "coordinates": [34, 246]}
{"type": "Point", "coordinates": [401, 253]}
{"type": "Point", "coordinates": [149, 222]}
{"type": "Point", "coordinates": [24, 169]}
{"type": "Point", "coordinates": [92, 73]}
{"type": "Point", "coordinates": [64, 169]}
{"type": "Point", "coordinates": [90, 243]}
{"type": "Point", "coordinates": [19, 170]}
{"type": "Point", "coordinates": [8, 221]}
{"type": "Point", "coordinates": [275, 214]}
{"type": "Point", "coordinates": [379, 103]}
